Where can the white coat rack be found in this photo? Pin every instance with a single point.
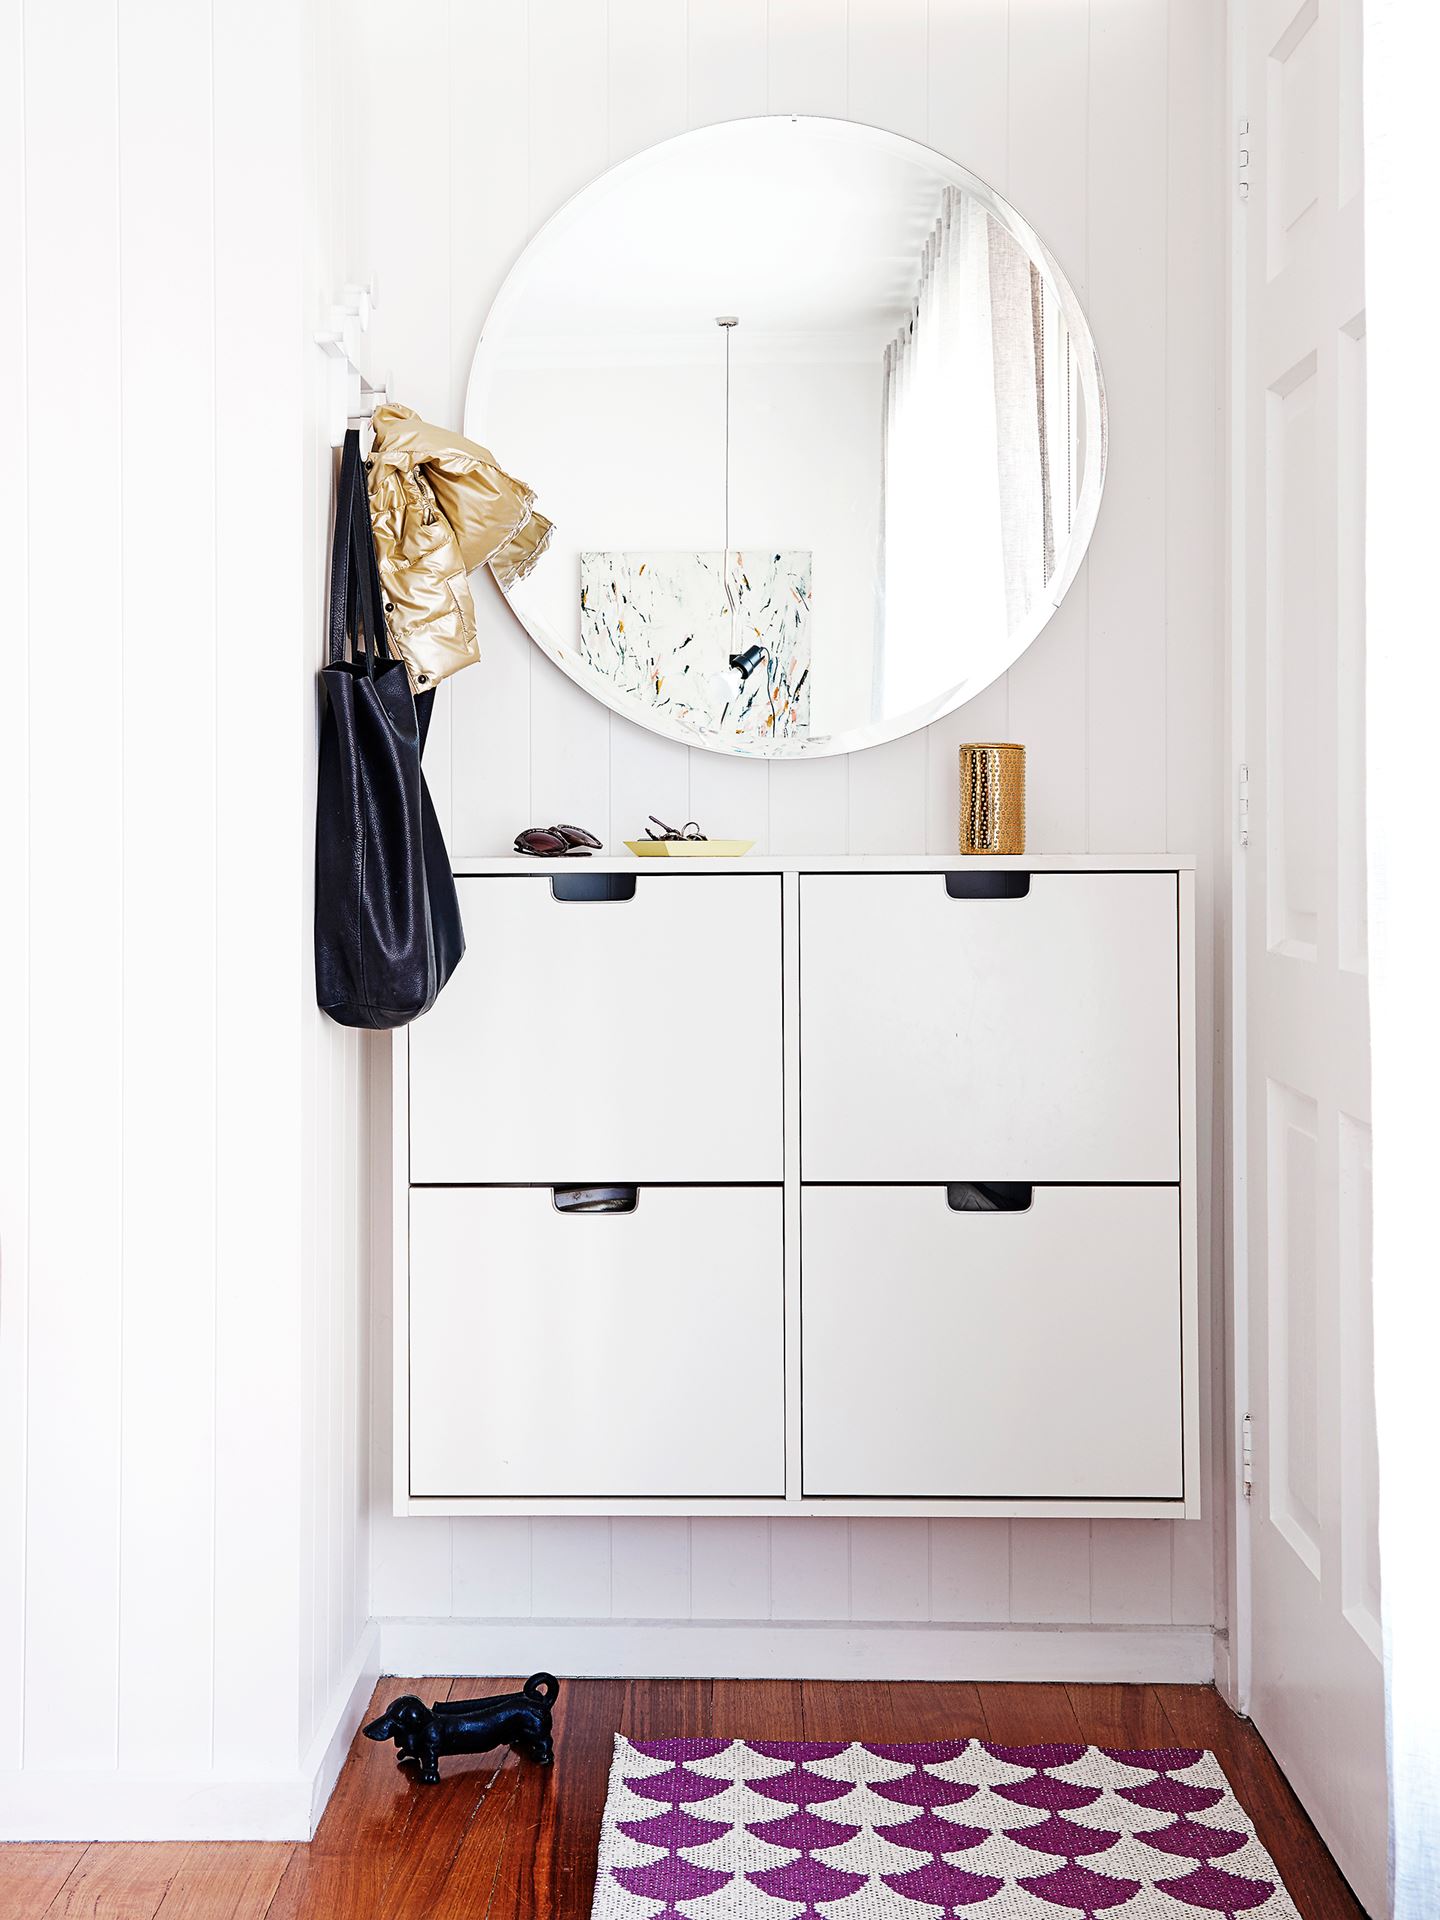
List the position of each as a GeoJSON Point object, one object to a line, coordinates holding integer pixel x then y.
{"type": "Point", "coordinates": [350, 396]}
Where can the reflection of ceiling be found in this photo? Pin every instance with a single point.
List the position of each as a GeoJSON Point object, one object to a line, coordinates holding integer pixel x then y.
{"type": "Point", "coordinates": [808, 231]}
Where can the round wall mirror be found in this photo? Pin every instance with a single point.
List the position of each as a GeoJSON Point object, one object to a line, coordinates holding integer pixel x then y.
{"type": "Point", "coordinates": [820, 426]}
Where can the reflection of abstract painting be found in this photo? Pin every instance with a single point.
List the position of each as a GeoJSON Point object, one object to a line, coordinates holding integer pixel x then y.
{"type": "Point", "coordinates": [658, 626]}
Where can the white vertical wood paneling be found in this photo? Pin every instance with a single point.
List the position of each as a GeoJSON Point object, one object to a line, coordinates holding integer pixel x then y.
{"type": "Point", "coordinates": [168, 1143]}
{"type": "Point", "coordinates": [490, 710]}
{"type": "Point", "coordinates": [647, 71]}
{"type": "Point", "coordinates": [808, 800]}
{"type": "Point", "coordinates": [569, 111]}
{"type": "Point", "coordinates": [406, 57]}
{"type": "Point", "coordinates": [569, 753]}
{"type": "Point", "coordinates": [808, 56]}
{"type": "Point", "coordinates": [730, 797]}
{"type": "Point", "coordinates": [730, 1569]}
{"type": "Point", "coordinates": [338, 1077]}
{"type": "Point", "coordinates": [1126, 308]}
{"type": "Point", "coordinates": [489, 224]}
{"type": "Point", "coordinates": [1099, 122]}
{"type": "Point", "coordinates": [1049, 1570]}
{"type": "Point", "coordinates": [487, 206]}
{"type": "Point", "coordinates": [987, 717]}
{"type": "Point", "coordinates": [968, 110]}
{"type": "Point", "coordinates": [809, 1569]}
{"type": "Point", "coordinates": [1192, 1573]}
{"type": "Point", "coordinates": [889, 1570]}
{"type": "Point", "coordinates": [182, 1508]}
{"type": "Point", "coordinates": [1057, 798]}
{"type": "Point", "coordinates": [886, 796]}
{"type": "Point", "coordinates": [570, 1568]}
{"type": "Point", "coordinates": [1048, 172]}
{"type": "Point", "coordinates": [261, 1146]}
{"type": "Point", "coordinates": [568, 145]}
{"type": "Point", "coordinates": [14, 888]}
{"type": "Point", "coordinates": [1129, 1571]}
{"type": "Point", "coordinates": [647, 775]}
{"type": "Point", "coordinates": [970, 1570]}
{"type": "Point", "coordinates": [726, 69]}
{"type": "Point", "coordinates": [889, 45]}
{"type": "Point", "coordinates": [492, 1569]}
{"type": "Point", "coordinates": [410, 1560]}
{"type": "Point", "coordinates": [76, 914]}
{"type": "Point", "coordinates": [650, 1569]}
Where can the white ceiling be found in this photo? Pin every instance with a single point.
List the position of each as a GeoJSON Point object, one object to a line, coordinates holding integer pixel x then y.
{"type": "Point", "coordinates": [802, 228]}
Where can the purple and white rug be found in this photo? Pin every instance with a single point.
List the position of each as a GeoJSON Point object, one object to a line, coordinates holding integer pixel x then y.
{"type": "Point", "coordinates": [963, 1829]}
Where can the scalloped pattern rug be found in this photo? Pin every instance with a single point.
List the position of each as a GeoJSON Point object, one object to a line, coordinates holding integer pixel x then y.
{"type": "Point", "coordinates": [713, 1829]}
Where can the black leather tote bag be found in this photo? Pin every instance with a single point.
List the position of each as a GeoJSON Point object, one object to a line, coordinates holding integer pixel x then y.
{"type": "Point", "coordinates": [387, 918]}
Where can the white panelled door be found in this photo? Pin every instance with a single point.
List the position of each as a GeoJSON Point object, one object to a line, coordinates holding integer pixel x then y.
{"type": "Point", "coordinates": [1316, 1683]}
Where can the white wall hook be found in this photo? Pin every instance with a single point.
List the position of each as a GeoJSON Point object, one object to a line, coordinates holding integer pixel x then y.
{"type": "Point", "coordinates": [351, 397]}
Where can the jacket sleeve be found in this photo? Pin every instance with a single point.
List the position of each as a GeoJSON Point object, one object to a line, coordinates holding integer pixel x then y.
{"type": "Point", "coordinates": [485, 506]}
{"type": "Point", "coordinates": [515, 559]}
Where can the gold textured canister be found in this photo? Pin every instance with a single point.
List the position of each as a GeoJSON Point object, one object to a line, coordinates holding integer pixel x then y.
{"type": "Point", "coordinates": [992, 797]}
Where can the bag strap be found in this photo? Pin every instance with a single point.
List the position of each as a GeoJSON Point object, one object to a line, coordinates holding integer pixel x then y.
{"type": "Point", "coordinates": [366, 577]}
{"type": "Point", "coordinates": [356, 621]}
{"type": "Point", "coordinates": [342, 549]}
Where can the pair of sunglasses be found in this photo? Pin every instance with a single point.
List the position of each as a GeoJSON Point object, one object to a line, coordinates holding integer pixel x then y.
{"type": "Point", "coordinates": [557, 842]}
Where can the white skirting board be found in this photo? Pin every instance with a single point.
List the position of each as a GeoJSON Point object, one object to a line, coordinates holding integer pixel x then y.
{"type": "Point", "coordinates": [797, 1650]}
{"type": "Point", "coordinates": [321, 1766]}
{"type": "Point", "coordinates": [116, 1806]}
{"type": "Point", "coordinates": [121, 1806]}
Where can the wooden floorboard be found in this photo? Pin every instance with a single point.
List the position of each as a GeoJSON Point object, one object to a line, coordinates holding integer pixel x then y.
{"type": "Point", "coordinates": [937, 1710]}
{"type": "Point", "coordinates": [500, 1839]}
{"type": "Point", "coordinates": [31, 1877]}
{"type": "Point", "coordinates": [1111, 1716]}
{"type": "Point", "coordinates": [548, 1866]}
{"type": "Point", "coordinates": [1023, 1716]}
{"type": "Point", "coordinates": [756, 1710]}
{"type": "Point", "coordinates": [125, 1881]}
{"type": "Point", "coordinates": [226, 1880]}
{"type": "Point", "coordinates": [847, 1710]}
{"type": "Point", "coordinates": [656, 1708]}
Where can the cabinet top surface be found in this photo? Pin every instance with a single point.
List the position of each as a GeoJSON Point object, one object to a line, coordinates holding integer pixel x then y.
{"type": "Point", "coordinates": [516, 863]}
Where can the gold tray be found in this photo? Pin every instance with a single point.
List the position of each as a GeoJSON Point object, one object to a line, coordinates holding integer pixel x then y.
{"type": "Point", "coordinates": [689, 849]}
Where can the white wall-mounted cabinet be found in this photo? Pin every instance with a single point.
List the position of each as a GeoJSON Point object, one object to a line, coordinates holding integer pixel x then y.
{"type": "Point", "coordinates": [793, 1073]}
{"type": "Point", "coordinates": [1021, 1355]}
{"type": "Point", "coordinates": [555, 1354]}
{"type": "Point", "coordinates": [952, 1036]}
{"type": "Point", "coordinates": [580, 1039]}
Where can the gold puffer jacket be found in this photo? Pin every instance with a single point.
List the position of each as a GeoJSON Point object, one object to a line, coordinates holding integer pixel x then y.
{"type": "Point", "coordinates": [441, 507]}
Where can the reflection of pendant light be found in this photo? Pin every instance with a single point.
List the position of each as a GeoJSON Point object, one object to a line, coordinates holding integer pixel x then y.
{"type": "Point", "coordinates": [728, 322]}
{"type": "Point", "coordinates": [742, 664]}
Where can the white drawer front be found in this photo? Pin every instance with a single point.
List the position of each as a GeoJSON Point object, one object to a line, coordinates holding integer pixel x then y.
{"type": "Point", "coordinates": [634, 1355]}
{"type": "Point", "coordinates": [992, 1355]}
{"type": "Point", "coordinates": [1024, 1039]}
{"type": "Point", "coordinates": [633, 1039]}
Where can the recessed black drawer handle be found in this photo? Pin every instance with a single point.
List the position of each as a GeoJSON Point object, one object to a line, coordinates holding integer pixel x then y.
{"type": "Point", "coordinates": [593, 886]}
{"type": "Point", "coordinates": [988, 1196]}
{"type": "Point", "coordinates": [595, 1199]}
{"type": "Point", "coordinates": [987, 886]}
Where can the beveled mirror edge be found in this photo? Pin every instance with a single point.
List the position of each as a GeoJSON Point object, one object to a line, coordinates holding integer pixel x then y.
{"type": "Point", "coordinates": [1005, 652]}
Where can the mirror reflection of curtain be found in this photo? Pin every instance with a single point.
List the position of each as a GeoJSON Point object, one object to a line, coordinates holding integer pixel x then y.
{"type": "Point", "coordinates": [976, 434]}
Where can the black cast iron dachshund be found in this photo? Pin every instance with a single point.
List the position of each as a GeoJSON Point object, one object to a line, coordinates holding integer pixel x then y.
{"type": "Point", "coordinates": [422, 1734]}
